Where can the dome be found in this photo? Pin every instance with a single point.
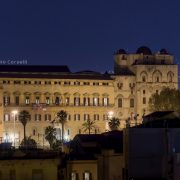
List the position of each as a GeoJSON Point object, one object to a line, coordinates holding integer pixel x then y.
{"type": "Point", "coordinates": [143, 50]}
{"type": "Point", "coordinates": [163, 51]}
{"type": "Point", "coordinates": [120, 51]}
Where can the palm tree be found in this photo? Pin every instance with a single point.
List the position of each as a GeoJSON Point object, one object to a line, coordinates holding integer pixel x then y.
{"type": "Point", "coordinates": [88, 126]}
{"type": "Point", "coordinates": [50, 135]}
{"type": "Point", "coordinates": [62, 118]}
{"type": "Point", "coordinates": [24, 117]}
{"type": "Point", "coordinates": [114, 123]}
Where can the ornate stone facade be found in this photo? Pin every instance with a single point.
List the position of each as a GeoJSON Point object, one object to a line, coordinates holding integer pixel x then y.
{"type": "Point", "coordinates": [43, 91]}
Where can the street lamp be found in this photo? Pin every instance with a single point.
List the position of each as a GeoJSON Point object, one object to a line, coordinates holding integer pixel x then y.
{"type": "Point", "coordinates": [14, 112]}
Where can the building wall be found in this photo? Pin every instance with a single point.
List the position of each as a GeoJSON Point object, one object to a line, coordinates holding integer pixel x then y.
{"type": "Point", "coordinates": [29, 169]}
{"type": "Point", "coordinates": [79, 167]}
{"type": "Point", "coordinates": [158, 70]}
{"type": "Point", "coordinates": [149, 152]}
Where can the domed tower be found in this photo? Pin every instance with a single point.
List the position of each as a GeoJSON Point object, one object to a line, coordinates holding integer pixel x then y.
{"type": "Point", "coordinates": [144, 50]}
{"type": "Point", "coordinates": [120, 60]}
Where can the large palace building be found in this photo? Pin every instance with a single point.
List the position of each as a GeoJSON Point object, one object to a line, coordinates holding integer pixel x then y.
{"type": "Point", "coordinates": [45, 90]}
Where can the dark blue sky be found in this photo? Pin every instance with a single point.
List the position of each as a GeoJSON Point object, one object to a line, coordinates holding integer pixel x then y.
{"type": "Point", "coordinates": [83, 34]}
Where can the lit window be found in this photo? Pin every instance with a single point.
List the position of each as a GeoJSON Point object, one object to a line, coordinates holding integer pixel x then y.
{"type": "Point", "coordinates": [67, 100]}
{"type": "Point", "coordinates": [37, 117]}
{"type": "Point", "coordinates": [6, 117]}
{"type": "Point", "coordinates": [86, 101]}
{"type": "Point", "coordinates": [96, 116]}
{"type": "Point", "coordinates": [86, 117]}
{"type": "Point", "coordinates": [77, 101]}
{"type": "Point", "coordinates": [120, 102]}
{"type": "Point", "coordinates": [77, 117]}
{"type": "Point", "coordinates": [105, 101]}
{"type": "Point", "coordinates": [95, 101]}
{"type": "Point", "coordinates": [6, 100]}
{"type": "Point", "coordinates": [27, 100]}
{"type": "Point", "coordinates": [37, 101]}
{"type": "Point", "coordinates": [74, 176]}
{"type": "Point", "coordinates": [47, 117]}
{"type": "Point", "coordinates": [47, 100]}
{"type": "Point", "coordinates": [86, 176]}
{"type": "Point", "coordinates": [105, 117]}
{"type": "Point", "coordinates": [131, 102]}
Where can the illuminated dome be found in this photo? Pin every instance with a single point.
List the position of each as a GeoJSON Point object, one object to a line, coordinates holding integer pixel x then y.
{"type": "Point", "coordinates": [120, 51]}
{"type": "Point", "coordinates": [163, 51]}
{"type": "Point", "coordinates": [144, 50]}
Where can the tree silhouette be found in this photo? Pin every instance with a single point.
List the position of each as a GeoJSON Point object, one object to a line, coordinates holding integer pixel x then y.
{"type": "Point", "coordinates": [114, 123]}
{"type": "Point", "coordinates": [24, 117]}
{"type": "Point", "coordinates": [167, 100]}
{"type": "Point", "coordinates": [88, 126]}
{"type": "Point", "coordinates": [50, 135]}
{"type": "Point", "coordinates": [62, 118]}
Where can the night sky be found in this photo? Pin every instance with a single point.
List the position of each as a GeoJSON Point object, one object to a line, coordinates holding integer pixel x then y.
{"type": "Point", "coordinates": [83, 34]}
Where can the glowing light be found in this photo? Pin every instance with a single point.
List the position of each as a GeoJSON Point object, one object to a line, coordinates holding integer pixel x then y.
{"type": "Point", "coordinates": [110, 114]}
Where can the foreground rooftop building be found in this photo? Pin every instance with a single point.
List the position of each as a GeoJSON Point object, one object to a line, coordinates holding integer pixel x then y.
{"type": "Point", "coordinates": [45, 90]}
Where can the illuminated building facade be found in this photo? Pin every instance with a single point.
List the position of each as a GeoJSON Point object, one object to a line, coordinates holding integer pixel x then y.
{"type": "Point", "coordinates": [45, 90]}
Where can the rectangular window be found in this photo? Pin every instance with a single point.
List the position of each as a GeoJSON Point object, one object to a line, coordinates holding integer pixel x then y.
{"type": "Point", "coordinates": [27, 100]}
{"type": "Point", "coordinates": [47, 117]}
{"type": "Point", "coordinates": [17, 100]}
{"type": "Point", "coordinates": [86, 117]}
{"type": "Point", "coordinates": [86, 83]}
{"type": "Point", "coordinates": [95, 84]}
{"type": "Point", "coordinates": [57, 100]}
{"type": "Point", "coordinates": [74, 176]}
{"type": "Point", "coordinates": [48, 100]}
{"type": "Point", "coordinates": [105, 117]}
{"type": "Point", "coordinates": [67, 101]}
{"type": "Point", "coordinates": [37, 101]}
{"type": "Point", "coordinates": [6, 100]}
{"type": "Point", "coordinates": [120, 102]}
{"type": "Point", "coordinates": [77, 101]}
{"type": "Point", "coordinates": [67, 82]}
{"type": "Point", "coordinates": [131, 102]}
{"type": "Point", "coordinates": [76, 83]}
{"type": "Point", "coordinates": [144, 100]}
{"type": "Point", "coordinates": [77, 117]}
{"type": "Point", "coordinates": [86, 101]}
{"type": "Point", "coordinates": [68, 117]}
{"type": "Point", "coordinates": [95, 101]}
{"type": "Point", "coordinates": [87, 176]}
{"type": "Point", "coordinates": [37, 117]}
{"type": "Point", "coordinates": [6, 117]}
{"type": "Point", "coordinates": [96, 116]}
{"type": "Point", "coordinates": [105, 101]}
{"type": "Point", "coordinates": [105, 84]}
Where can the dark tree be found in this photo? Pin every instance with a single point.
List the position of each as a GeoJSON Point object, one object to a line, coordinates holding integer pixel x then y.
{"type": "Point", "coordinates": [167, 100]}
{"type": "Point", "coordinates": [114, 123]}
{"type": "Point", "coordinates": [24, 117]}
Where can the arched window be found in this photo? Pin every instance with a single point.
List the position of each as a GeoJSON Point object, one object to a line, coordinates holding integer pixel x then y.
{"type": "Point", "coordinates": [170, 76]}
{"type": "Point", "coordinates": [157, 76]}
{"type": "Point", "coordinates": [120, 102]}
{"type": "Point", "coordinates": [131, 103]}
